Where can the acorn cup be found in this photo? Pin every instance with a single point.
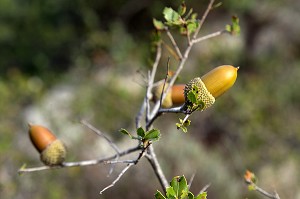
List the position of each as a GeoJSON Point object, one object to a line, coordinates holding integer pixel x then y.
{"type": "Point", "coordinates": [210, 86]}
{"type": "Point", "coordinates": [52, 150]}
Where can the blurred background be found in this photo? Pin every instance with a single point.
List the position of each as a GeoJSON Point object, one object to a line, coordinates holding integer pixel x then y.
{"type": "Point", "coordinates": [62, 61]}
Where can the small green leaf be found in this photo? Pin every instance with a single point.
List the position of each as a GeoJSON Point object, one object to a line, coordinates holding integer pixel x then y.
{"type": "Point", "coordinates": [171, 193]}
{"type": "Point", "coordinates": [192, 97]}
{"type": "Point", "coordinates": [200, 105]}
{"type": "Point", "coordinates": [188, 14]}
{"type": "Point", "coordinates": [194, 17]}
{"type": "Point", "coordinates": [192, 26]}
{"type": "Point", "coordinates": [158, 24]}
{"type": "Point", "coordinates": [187, 123]}
{"type": "Point", "coordinates": [125, 132]}
{"type": "Point", "coordinates": [172, 17]}
{"type": "Point", "coordinates": [183, 125]}
{"type": "Point", "coordinates": [202, 195]}
{"type": "Point", "coordinates": [217, 5]}
{"type": "Point", "coordinates": [183, 187]}
{"type": "Point", "coordinates": [152, 135]}
{"type": "Point", "coordinates": [140, 131]}
{"type": "Point", "coordinates": [190, 195]}
{"type": "Point", "coordinates": [251, 187]}
{"type": "Point", "coordinates": [182, 9]}
{"type": "Point", "coordinates": [234, 28]}
{"type": "Point", "coordinates": [159, 195]}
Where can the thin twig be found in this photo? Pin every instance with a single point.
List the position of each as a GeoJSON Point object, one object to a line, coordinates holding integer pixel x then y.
{"type": "Point", "coordinates": [149, 93]}
{"type": "Point", "coordinates": [165, 81]}
{"type": "Point", "coordinates": [119, 161]}
{"type": "Point", "coordinates": [98, 132]}
{"type": "Point", "coordinates": [149, 86]}
{"type": "Point", "coordinates": [204, 188]}
{"type": "Point", "coordinates": [80, 163]}
{"type": "Point", "coordinates": [191, 180]}
{"type": "Point", "coordinates": [215, 34]}
{"type": "Point", "coordinates": [118, 178]}
{"type": "Point", "coordinates": [139, 116]}
{"type": "Point", "coordinates": [156, 168]}
{"type": "Point", "coordinates": [208, 9]}
{"type": "Point", "coordinates": [265, 193]}
{"type": "Point", "coordinates": [174, 43]}
{"type": "Point", "coordinates": [178, 109]}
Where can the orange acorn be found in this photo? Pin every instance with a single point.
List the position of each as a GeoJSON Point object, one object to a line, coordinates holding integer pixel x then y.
{"type": "Point", "coordinates": [51, 149]}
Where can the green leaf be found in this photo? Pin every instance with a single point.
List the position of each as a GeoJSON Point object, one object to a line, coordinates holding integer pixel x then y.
{"type": "Point", "coordinates": [192, 97]}
{"type": "Point", "coordinates": [179, 185]}
{"type": "Point", "coordinates": [183, 125]}
{"type": "Point", "coordinates": [190, 195]}
{"type": "Point", "coordinates": [192, 26]}
{"type": "Point", "coordinates": [172, 17]}
{"type": "Point", "coordinates": [171, 193]}
{"type": "Point", "coordinates": [152, 135]}
{"type": "Point", "coordinates": [200, 105]}
{"type": "Point", "coordinates": [183, 187]}
{"type": "Point", "coordinates": [187, 123]}
{"type": "Point", "coordinates": [234, 28]}
{"type": "Point", "coordinates": [217, 5]}
{"type": "Point", "coordinates": [182, 9]}
{"type": "Point", "coordinates": [251, 187]}
{"type": "Point", "coordinates": [188, 14]}
{"type": "Point", "coordinates": [202, 195]}
{"type": "Point", "coordinates": [159, 195]}
{"type": "Point", "coordinates": [125, 132]}
{"type": "Point", "coordinates": [140, 131]}
{"type": "Point", "coordinates": [158, 24]}
{"type": "Point", "coordinates": [184, 194]}
{"type": "Point", "coordinates": [235, 25]}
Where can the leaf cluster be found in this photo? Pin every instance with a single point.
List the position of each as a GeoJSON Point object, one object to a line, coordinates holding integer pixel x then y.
{"type": "Point", "coordinates": [144, 136]}
{"type": "Point", "coordinates": [179, 189]}
{"type": "Point", "coordinates": [234, 28]}
{"type": "Point", "coordinates": [186, 22]}
{"type": "Point", "coordinates": [183, 125]}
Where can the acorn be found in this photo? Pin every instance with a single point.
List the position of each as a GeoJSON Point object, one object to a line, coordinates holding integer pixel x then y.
{"type": "Point", "coordinates": [52, 150]}
{"type": "Point", "coordinates": [210, 86]}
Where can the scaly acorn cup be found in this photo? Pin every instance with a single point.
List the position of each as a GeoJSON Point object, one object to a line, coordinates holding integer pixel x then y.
{"type": "Point", "coordinates": [52, 150]}
{"type": "Point", "coordinates": [200, 93]}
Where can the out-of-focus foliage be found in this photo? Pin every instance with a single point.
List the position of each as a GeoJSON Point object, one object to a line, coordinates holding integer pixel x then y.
{"type": "Point", "coordinates": [92, 49]}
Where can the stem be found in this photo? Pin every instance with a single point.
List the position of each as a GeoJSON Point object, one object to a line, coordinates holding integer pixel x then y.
{"type": "Point", "coordinates": [156, 168]}
{"type": "Point", "coordinates": [209, 7]}
{"type": "Point", "coordinates": [174, 43]}
{"type": "Point", "coordinates": [118, 178]}
{"type": "Point", "coordinates": [79, 164]}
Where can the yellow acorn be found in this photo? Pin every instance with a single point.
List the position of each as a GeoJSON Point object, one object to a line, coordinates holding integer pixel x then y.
{"type": "Point", "coordinates": [52, 150]}
{"type": "Point", "coordinates": [208, 87]}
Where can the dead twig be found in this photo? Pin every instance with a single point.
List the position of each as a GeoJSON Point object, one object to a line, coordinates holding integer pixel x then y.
{"type": "Point", "coordinates": [118, 178]}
